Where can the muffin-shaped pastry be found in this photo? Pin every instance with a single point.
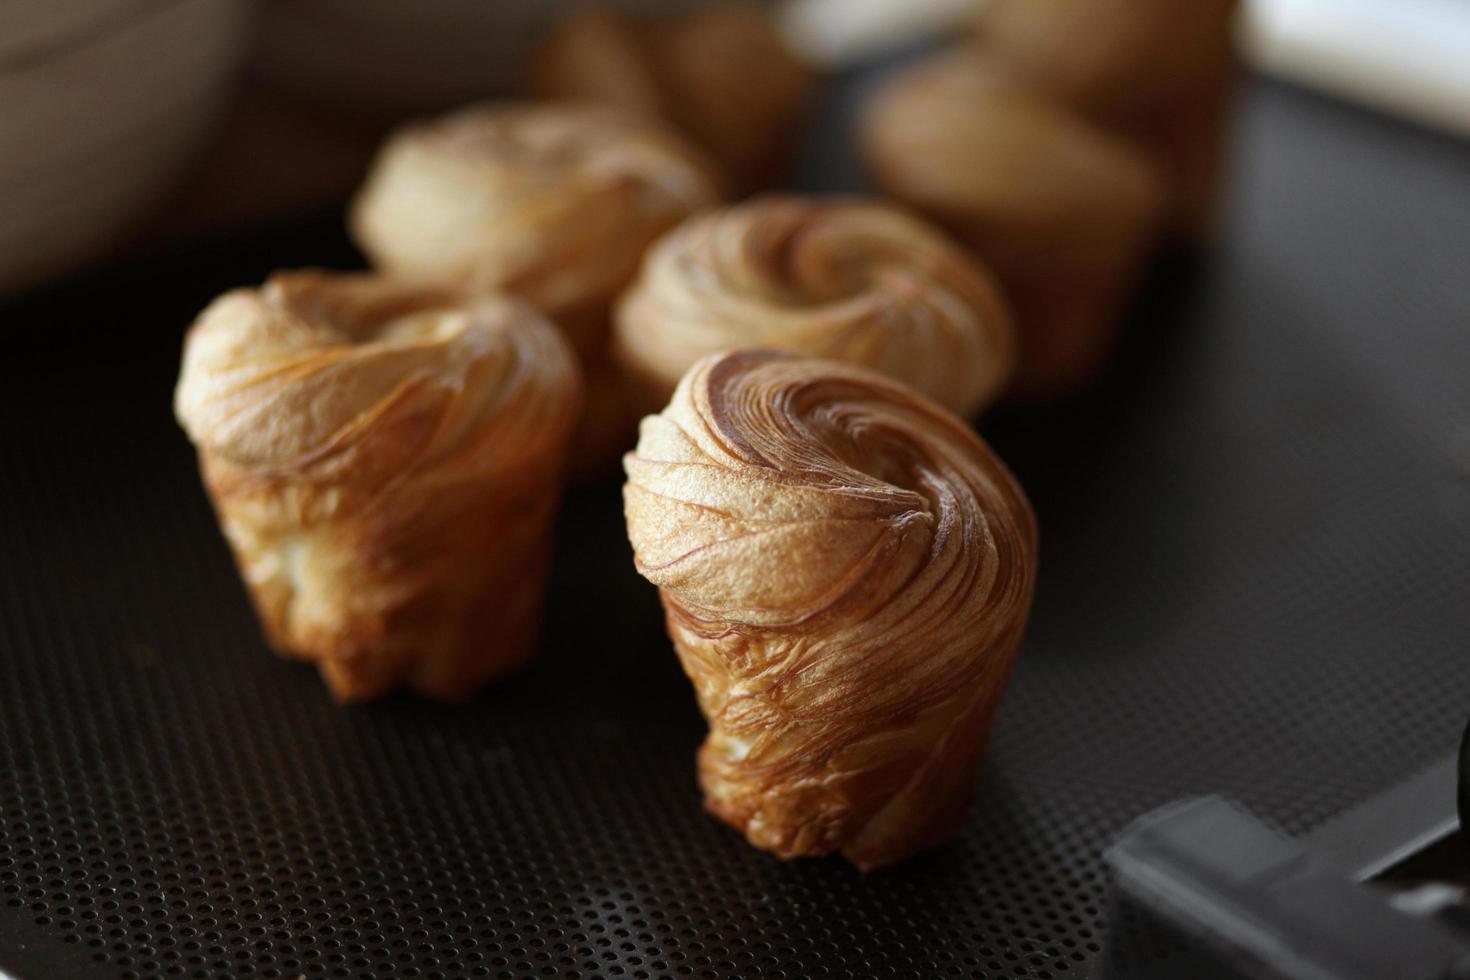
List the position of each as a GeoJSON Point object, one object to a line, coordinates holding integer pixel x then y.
{"type": "Point", "coordinates": [1064, 212]}
{"type": "Point", "coordinates": [385, 461]}
{"type": "Point", "coordinates": [1160, 72]}
{"type": "Point", "coordinates": [845, 279]}
{"type": "Point", "coordinates": [553, 203]}
{"type": "Point", "coordinates": [846, 571]}
{"type": "Point", "coordinates": [722, 75]}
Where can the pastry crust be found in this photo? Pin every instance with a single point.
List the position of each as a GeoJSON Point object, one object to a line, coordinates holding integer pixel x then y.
{"type": "Point", "coordinates": [1065, 213]}
{"type": "Point", "coordinates": [845, 279]}
{"type": "Point", "coordinates": [1161, 73]}
{"type": "Point", "coordinates": [385, 462]}
{"type": "Point", "coordinates": [722, 75]}
{"type": "Point", "coordinates": [846, 571]}
{"type": "Point", "coordinates": [553, 203]}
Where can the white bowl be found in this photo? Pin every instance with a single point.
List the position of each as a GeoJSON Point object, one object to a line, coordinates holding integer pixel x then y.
{"type": "Point", "coordinates": [96, 117]}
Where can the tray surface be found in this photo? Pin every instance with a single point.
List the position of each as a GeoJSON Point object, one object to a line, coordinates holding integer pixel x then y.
{"type": "Point", "coordinates": [1256, 563]}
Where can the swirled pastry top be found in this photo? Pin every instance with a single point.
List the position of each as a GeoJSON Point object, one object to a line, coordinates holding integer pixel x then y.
{"type": "Point", "coordinates": [553, 202]}
{"type": "Point", "coordinates": [358, 378]}
{"type": "Point", "coordinates": [846, 572]}
{"type": "Point", "coordinates": [847, 279]}
{"type": "Point", "coordinates": [800, 495]}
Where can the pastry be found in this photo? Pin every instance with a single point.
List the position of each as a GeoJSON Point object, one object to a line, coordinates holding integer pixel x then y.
{"type": "Point", "coordinates": [554, 203]}
{"type": "Point", "coordinates": [850, 280]}
{"type": "Point", "coordinates": [385, 461]}
{"type": "Point", "coordinates": [1159, 72]}
{"type": "Point", "coordinates": [1063, 211]}
{"type": "Point", "coordinates": [846, 571]}
{"type": "Point", "coordinates": [722, 75]}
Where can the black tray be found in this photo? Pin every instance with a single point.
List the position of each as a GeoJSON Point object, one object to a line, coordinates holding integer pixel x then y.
{"type": "Point", "coordinates": [1255, 580]}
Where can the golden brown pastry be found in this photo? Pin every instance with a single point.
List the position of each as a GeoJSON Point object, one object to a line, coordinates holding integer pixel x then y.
{"type": "Point", "coordinates": [846, 279]}
{"type": "Point", "coordinates": [846, 571]}
{"type": "Point", "coordinates": [1159, 72]}
{"type": "Point", "coordinates": [385, 461]}
{"type": "Point", "coordinates": [722, 75]}
{"type": "Point", "coordinates": [1064, 212]}
{"type": "Point", "coordinates": [553, 203]}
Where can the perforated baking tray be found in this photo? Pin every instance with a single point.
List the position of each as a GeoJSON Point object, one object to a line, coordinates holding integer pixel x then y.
{"type": "Point", "coordinates": [1254, 581]}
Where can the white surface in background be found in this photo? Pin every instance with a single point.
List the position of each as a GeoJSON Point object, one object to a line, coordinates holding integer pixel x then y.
{"type": "Point", "coordinates": [1410, 57]}
{"type": "Point", "coordinates": [840, 32]}
{"type": "Point", "coordinates": [1406, 56]}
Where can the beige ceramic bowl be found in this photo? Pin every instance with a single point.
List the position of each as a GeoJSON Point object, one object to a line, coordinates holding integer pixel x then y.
{"type": "Point", "coordinates": [101, 103]}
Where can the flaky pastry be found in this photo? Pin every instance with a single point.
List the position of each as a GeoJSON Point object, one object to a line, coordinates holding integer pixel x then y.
{"type": "Point", "coordinates": [1064, 212]}
{"type": "Point", "coordinates": [554, 203]}
{"type": "Point", "coordinates": [385, 461]}
{"type": "Point", "coordinates": [1160, 72]}
{"type": "Point", "coordinates": [721, 74]}
{"type": "Point", "coordinates": [846, 279]}
{"type": "Point", "coordinates": [846, 571]}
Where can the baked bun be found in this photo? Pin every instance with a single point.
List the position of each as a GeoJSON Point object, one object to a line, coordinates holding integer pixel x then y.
{"type": "Point", "coordinates": [553, 203]}
{"type": "Point", "coordinates": [846, 571]}
{"type": "Point", "coordinates": [1066, 213]}
{"type": "Point", "coordinates": [385, 461]}
{"type": "Point", "coordinates": [1161, 73]}
{"type": "Point", "coordinates": [722, 75]}
{"type": "Point", "coordinates": [846, 279]}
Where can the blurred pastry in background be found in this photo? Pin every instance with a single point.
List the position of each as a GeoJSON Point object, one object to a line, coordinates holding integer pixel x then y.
{"type": "Point", "coordinates": [722, 75]}
{"type": "Point", "coordinates": [554, 203]}
{"type": "Point", "coordinates": [1159, 72]}
{"type": "Point", "coordinates": [388, 61]}
{"type": "Point", "coordinates": [846, 571]}
{"type": "Point", "coordinates": [848, 279]}
{"type": "Point", "coordinates": [385, 461]}
{"type": "Point", "coordinates": [1066, 213]}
